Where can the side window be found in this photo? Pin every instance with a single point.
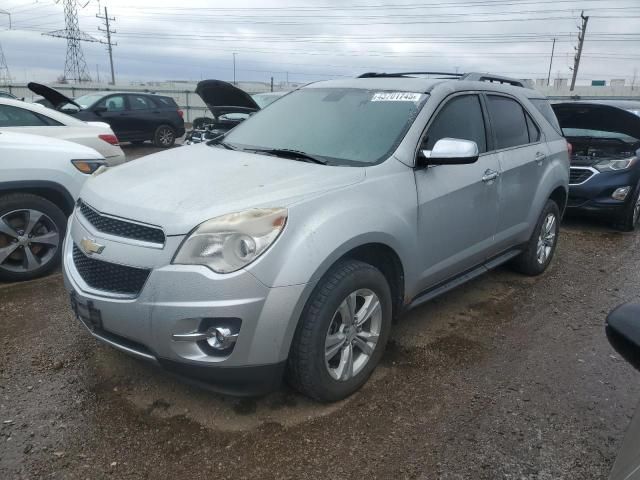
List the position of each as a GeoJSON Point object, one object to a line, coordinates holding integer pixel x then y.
{"type": "Point", "coordinates": [534, 131]}
{"type": "Point", "coordinates": [113, 104]}
{"type": "Point", "coordinates": [461, 117]}
{"type": "Point", "coordinates": [508, 121]}
{"type": "Point", "coordinates": [140, 102]}
{"type": "Point", "coordinates": [544, 107]}
{"type": "Point", "coordinates": [11, 116]}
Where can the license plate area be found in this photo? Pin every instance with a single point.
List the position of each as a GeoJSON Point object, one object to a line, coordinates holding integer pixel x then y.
{"type": "Point", "coordinates": [86, 313]}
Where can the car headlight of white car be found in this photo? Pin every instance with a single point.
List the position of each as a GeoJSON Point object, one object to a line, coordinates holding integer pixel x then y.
{"type": "Point", "coordinates": [230, 242]}
{"type": "Point", "coordinates": [615, 165]}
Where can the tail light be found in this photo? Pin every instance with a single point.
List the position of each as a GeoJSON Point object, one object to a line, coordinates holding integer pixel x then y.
{"type": "Point", "coordinates": [181, 113]}
{"type": "Point", "coordinates": [570, 148]}
{"type": "Point", "coordinates": [109, 138]}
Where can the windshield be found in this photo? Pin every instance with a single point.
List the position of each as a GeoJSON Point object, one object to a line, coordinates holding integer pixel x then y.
{"type": "Point", "coordinates": [264, 99]}
{"type": "Point", "coordinates": [583, 132]}
{"type": "Point", "coordinates": [341, 125]}
{"type": "Point", "coordinates": [86, 101]}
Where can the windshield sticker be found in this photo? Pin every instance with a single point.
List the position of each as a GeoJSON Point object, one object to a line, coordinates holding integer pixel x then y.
{"type": "Point", "coordinates": [396, 97]}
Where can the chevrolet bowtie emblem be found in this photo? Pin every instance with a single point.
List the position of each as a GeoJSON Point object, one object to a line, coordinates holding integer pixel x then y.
{"type": "Point", "coordinates": [89, 246]}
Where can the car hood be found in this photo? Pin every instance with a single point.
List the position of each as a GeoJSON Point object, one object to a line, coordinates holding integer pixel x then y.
{"type": "Point", "coordinates": [594, 116]}
{"type": "Point", "coordinates": [222, 98]}
{"type": "Point", "coordinates": [180, 188]}
{"type": "Point", "coordinates": [53, 96]}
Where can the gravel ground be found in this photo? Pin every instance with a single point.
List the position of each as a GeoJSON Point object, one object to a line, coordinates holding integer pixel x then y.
{"type": "Point", "coordinates": [507, 377]}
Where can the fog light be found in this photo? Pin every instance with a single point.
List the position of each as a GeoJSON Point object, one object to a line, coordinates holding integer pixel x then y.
{"type": "Point", "coordinates": [621, 193]}
{"type": "Point", "coordinates": [221, 338]}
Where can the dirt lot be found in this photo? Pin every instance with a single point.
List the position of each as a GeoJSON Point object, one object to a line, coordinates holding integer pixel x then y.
{"type": "Point", "coordinates": [507, 377]}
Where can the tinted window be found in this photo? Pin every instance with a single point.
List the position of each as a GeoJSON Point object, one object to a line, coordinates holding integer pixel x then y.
{"type": "Point", "coordinates": [342, 125]}
{"type": "Point", "coordinates": [19, 117]}
{"type": "Point", "coordinates": [166, 102]}
{"type": "Point", "coordinates": [113, 104]}
{"type": "Point", "coordinates": [508, 121]}
{"type": "Point", "coordinates": [460, 118]}
{"type": "Point", "coordinates": [534, 131]}
{"type": "Point", "coordinates": [544, 107]}
{"type": "Point", "coordinates": [139, 102]}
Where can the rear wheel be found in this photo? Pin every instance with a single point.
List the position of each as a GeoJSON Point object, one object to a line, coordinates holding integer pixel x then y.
{"type": "Point", "coordinates": [540, 248]}
{"type": "Point", "coordinates": [31, 233]}
{"type": "Point", "coordinates": [342, 332]}
{"type": "Point", "coordinates": [631, 214]}
{"type": "Point", "coordinates": [164, 137]}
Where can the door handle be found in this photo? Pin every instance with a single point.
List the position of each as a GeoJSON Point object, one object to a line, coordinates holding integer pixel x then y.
{"type": "Point", "coordinates": [540, 158]}
{"type": "Point", "coordinates": [490, 175]}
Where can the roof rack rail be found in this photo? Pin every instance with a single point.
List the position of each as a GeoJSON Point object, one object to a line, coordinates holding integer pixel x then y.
{"type": "Point", "coordinates": [487, 77]}
{"type": "Point", "coordinates": [404, 74]}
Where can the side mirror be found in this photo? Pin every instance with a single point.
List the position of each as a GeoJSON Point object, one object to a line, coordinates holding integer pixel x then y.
{"type": "Point", "coordinates": [450, 151]}
{"type": "Point", "coordinates": [623, 332]}
{"type": "Point", "coordinates": [99, 110]}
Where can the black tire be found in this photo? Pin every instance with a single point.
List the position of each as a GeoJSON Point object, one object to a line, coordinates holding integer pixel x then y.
{"type": "Point", "coordinates": [53, 221]}
{"type": "Point", "coordinates": [628, 220]}
{"type": "Point", "coordinates": [528, 261]}
{"type": "Point", "coordinates": [164, 136]}
{"type": "Point", "coordinates": [307, 369]}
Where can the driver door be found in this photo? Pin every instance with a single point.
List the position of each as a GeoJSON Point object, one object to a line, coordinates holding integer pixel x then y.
{"type": "Point", "coordinates": [457, 204]}
{"type": "Point", "coordinates": [117, 115]}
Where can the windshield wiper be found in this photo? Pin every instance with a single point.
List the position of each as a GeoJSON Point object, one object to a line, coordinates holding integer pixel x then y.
{"type": "Point", "coordinates": [220, 141]}
{"type": "Point", "coordinates": [289, 153]}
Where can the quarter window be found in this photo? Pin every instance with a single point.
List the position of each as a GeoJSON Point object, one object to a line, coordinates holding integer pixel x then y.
{"type": "Point", "coordinates": [508, 121]}
{"type": "Point", "coordinates": [11, 116]}
{"type": "Point", "coordinates": [534, 131]}
{"type": "Point", "coordinates": [461, 118]}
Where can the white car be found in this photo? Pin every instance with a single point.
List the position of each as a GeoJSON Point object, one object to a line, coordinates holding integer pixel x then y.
{"type": "Point", "coordinates": [40, 179]}
{"type": "Point", "coordinates": [36, 119]}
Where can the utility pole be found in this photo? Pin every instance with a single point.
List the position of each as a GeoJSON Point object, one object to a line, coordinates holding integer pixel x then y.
{"type": "Point", "coordinates": [75, 66]}
{"type": "Point", "coordinates": [581, 35]}
{"type": "Point", "coordinates": [553, 48]}
{"type": "Point", "coordinates": [108, 43]}
{"type": "Point", "coordinates": [234, 68]}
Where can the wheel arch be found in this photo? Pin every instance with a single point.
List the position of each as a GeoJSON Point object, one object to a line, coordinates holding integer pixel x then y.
{"type": "Point", "coordinates": [560, 195]}
{"type": "Point", "coordinates": [52, 191]}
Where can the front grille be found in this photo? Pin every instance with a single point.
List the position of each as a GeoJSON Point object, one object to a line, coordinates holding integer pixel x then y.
{"type": "Point", "coordinates": [579, 175]}
{"type": "Point", "coordinates": [120, 228]}
{"type": "Point", "coordinates": [109, 277]}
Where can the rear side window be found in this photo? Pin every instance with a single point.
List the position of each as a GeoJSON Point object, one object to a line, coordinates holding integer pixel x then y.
{"type": "Point", "coordinates": [508, 121]}
{"type": "Point", "coordinates": [534, 131]}
{"type": "Point", "coordinates": [140, 102]}
{"type": "Point", "coordinates": [544, 107]}
{"type": "Point", "coordinates": [11, 116]}
{"type": "Point", "coordinates": [462, 118]}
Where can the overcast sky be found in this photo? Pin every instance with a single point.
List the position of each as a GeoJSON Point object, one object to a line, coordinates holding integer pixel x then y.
{"type": "Point", "coordinates": [319, 39]}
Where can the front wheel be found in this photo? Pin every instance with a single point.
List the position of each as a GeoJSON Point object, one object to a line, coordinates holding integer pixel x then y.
{"type": "Point", "coordinates": [31, 233]}
{"type": "Point", "coordinates": [342, 332]}
{"type": "Point", "coordinates": [540, 248]}
{"type": "Point", "coordinates": [164, 137]}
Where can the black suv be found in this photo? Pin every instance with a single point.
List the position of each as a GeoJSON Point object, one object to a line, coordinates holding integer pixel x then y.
{"type": "Point", "coordinates": [133, 116]}
{"type": "Point", "coordinates": [605, 164]}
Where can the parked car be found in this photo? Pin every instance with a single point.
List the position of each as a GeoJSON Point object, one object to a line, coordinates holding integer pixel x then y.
{"type": "Point", "coordinates": [287, 246]}
{"type": "Point", "coordinates": [35, 119]}
{"type": "Point", "coordinates": [605, 171]}
{"type": "Point", "coordinates": [134, 116]}
{"type": "Point", "coordinates": [623, 332]}
{"type": "Point", "coordinates": [229, 106]}
{"type": "Point", "coordinates": [40, 179]}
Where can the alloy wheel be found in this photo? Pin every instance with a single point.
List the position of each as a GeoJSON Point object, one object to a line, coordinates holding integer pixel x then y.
{"type": "Point", "coordinates": [28, 240]}
{"type": "Point", "coordinates": [353, 334]}
{"type": "Point", "coordinates": [547, 238]}
{"type": "Point", "coordinates": [166, 136]}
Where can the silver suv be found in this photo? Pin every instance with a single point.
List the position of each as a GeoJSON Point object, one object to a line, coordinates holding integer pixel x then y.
{"type": "Point", "coordinates": [286, 247]}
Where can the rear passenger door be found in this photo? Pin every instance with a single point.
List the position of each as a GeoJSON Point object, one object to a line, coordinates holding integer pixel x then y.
{"type": "Point", "coordinates": [144, 115]}
{"type": "Point", "coordinates": [457, 204]}
{"type": "Point", "coordinates": [522, 153]}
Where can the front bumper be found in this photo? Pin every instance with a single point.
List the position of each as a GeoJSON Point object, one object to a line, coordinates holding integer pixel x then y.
{"type": "Point", "coordinates": [594, 195]}
{"type": "Point", "coordinates": [180, 299]}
